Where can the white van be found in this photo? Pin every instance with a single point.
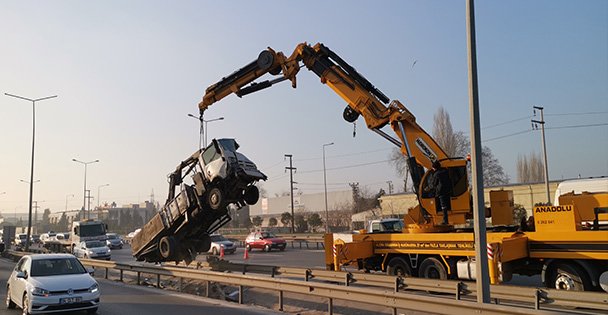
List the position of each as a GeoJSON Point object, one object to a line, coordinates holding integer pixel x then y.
{"type": "Point", "coordinates": [578, 186]}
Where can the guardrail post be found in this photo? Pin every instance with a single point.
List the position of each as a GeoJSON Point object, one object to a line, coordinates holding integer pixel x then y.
{"type": "Point", "coordinates": [281, 301]}
{"type": "Point", "coordinates": [208, 289]}
{"type": "Point", "coordinates": [158, 280]}
{"type": "Point", "coordinates": [537, 299]}
{"type": "Point", "coordinates": [241, 298]}
{"type": "Point", "coordinates": [330, 306]}
{"type": "Point", "coordinates": [394, 311]}
{"type": "Point", "coordinates": [179, 286]}
{"type": "Point", "coordinates": [347, 277]}
{"type": "Point", "coordinates": [107, 270]}
{"type": "Point", "coordinates": [138, 278]}
{"type": "Point", "coordinates": [121, 271]}
{"type": "Point", "coordinates": [397, 283]}
{"type": "Point", "coordinates": [307, 275]}
{"type": "Point", "coordinates": [458, 290]}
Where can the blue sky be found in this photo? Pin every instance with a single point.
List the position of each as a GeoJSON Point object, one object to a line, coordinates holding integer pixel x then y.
{"type": "Point", "coordinates": [128, 73]}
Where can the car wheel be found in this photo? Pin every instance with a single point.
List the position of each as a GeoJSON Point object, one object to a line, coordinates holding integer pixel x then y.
{"type": "Point", "coordinates": [267, 248]}
{"type": "Point", "coordinates": [92, 311]}
{"type": "Point", "coordinates": [9, 302]}
{"type": "Point", "coordinates": [26, 305]}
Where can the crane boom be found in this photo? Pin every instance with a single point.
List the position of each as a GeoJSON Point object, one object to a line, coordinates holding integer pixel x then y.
{"type": "Point", "coordinates": [363, 99]}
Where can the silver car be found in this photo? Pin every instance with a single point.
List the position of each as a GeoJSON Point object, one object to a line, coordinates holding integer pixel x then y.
{"type": "Point", "coordinates": [93, 250]}
{"type": "Point", "coordinates": [49, 283]}
{"type": "Point", "coordinates": [114, 241]}
{"type": "Point", "coordinates": [218, 241]}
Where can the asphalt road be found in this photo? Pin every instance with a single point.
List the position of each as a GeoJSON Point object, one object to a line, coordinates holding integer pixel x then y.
{"type": "Point", "coordinates": [119, 299]}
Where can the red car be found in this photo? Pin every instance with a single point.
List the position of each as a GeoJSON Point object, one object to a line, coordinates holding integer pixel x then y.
{"type": "Point", "coordinates": [265, 241]}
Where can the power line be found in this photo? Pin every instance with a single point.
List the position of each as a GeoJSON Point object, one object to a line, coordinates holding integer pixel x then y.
{"type": "Point", "coordinates": [578, 126]}
{"type": "Point", "coordinates": [575, 114]}
{"type": "Point", "coordinates": [507, 122]}
{"type": "Point", "coordinates": [506, 136]}
{"type": "Point", "coordinates": [345, 167]}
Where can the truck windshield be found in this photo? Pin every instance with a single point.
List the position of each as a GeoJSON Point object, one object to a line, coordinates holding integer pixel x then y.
{"type": "Point", "coordinates": [228, 144]}
{"type": "Point", "coordinates": [92, 230]}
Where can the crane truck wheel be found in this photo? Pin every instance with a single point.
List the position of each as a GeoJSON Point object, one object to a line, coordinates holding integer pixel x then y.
{"type": "Point", "coordinates": [167, 247]}
{"type": "Point", "coordinates": [251, 195]}
{"type": "Point", "coordinates": [397, 266]}
{"type": "Point", "coordinates": [570, 277]}
{"type": "Point", "coordinates": [215, 198]}
{"type": "Point", "coordinates": [350, 114]}
{"type": "Point", "coordinates": [432, 268]}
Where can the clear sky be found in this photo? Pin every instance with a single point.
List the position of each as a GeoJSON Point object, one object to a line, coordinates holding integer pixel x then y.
{"type": "Point", "coordinates": [128, 73]}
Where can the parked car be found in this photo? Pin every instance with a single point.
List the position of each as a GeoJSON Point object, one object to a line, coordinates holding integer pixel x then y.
{"type": "Point", "coordinates": [114, 241]}
{"type": "Point", "coordinates": [51, 282]}
{"type": "Point", "coordinates": [93, 250]}
{"type": "Point", "coordinates": [264, 240]}
{"type": "Point", "coordinates": [217, 241]}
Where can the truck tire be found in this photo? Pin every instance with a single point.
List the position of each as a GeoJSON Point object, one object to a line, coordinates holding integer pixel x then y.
{"type": "Point", "coordinates": [167, 247]}
{"type": "Point", "coordinates": [569, 276]}
{"type": "Point", "coordinates": [398, 266]}
{"type": "Point", "coordinates": [251, 195]}
{"type": "Point", "coordinates": [215, 198]}
{"type": "Point", "coordinates": [432, 268]}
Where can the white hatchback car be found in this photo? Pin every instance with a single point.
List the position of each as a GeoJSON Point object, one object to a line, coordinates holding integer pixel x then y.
{"type": "Point", "coordinates": [47, 283]}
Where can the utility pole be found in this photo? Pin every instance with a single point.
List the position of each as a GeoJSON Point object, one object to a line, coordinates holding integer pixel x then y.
{"type": "Point", "coordinates": [535, 124]}
{"type": "Point", "coordinates": [291, 182]}
{"type": "Point", "coordinates": [88, 197]}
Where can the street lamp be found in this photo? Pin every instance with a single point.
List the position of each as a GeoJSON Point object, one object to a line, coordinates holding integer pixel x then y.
{"type": "Point", "coordinates": [29, 221]}
{"type": "Point", "coordinates": [66, 201]}
{"type": "Point", "coordinates": [98, 190]}
{"type": "Point", "coordinates": [203, 123]}
{"type": "Point", "coordinates": [325, 184]}
{"type": "Point", "coordinates": [84, 203]}
{"type": "Point", "coordinates": [36, 213]}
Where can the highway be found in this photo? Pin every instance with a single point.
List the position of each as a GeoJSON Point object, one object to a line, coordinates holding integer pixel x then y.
{"type": "Point", "coordinates": [119, 299]}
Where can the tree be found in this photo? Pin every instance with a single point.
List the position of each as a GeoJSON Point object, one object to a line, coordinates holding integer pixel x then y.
{"type": "Point", "coordinates": [272, 222]}
{"type": "Point", "coordinates": [443, 133]}
{"type": "Point", "coordinates": [62, 225]}
{"type": "Point", "coordinates": [300, 223]}
{"type": "Point", "coordinates": [314, 221]}
{"type": "Point", "coordinates": [530, 168]}
{"type": "Point", "coordinates": [257, 221]}
{"type": "Point", "coordinates": [286, 218]}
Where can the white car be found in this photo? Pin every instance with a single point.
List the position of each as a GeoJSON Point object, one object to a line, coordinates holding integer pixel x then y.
{"type": "Point", "coordinates": [45, 283]}
{"type": "Point", "coordinates": [93, 250]}
{"type": "Point", "coordinates": [217, 241]}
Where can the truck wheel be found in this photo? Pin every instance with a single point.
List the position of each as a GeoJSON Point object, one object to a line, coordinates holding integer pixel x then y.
{"type": "Point", "coordinates": [215, 198]}
{"type": "Point", "coordinates": [251, 195]}
{"type": "Point", "coordinates": [167, 247]}
{"type": "Point", "coordinates": [432, 268]}
{"type": "Point", "coordinates": [570, 277]}
{"type": "Point", "coordinates": [397, 266]}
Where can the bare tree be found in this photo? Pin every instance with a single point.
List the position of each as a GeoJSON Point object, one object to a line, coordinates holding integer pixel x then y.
{"type": "Point", "coordinates": [529, 168]}
{"type": "Point", "coordinates": [443, 132]}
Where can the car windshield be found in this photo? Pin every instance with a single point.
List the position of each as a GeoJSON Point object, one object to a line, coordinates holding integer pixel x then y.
{"type": "Point", "coordinates": [22, 236]}
{"type": "Point", "coordinates": [112, 237]}
{"type": "Point", "coordinates": [217, 238]}
{"type": "Point", "coordinates": [93, 244]}
{"type": "Point", "coordinates": [56, 266]}
{"type": "Point", "coordinates": [393, 225]}
{"type": "Point", "coordinates": [267, 235]}
{"type": "Point", "coordinates": [92, 230]}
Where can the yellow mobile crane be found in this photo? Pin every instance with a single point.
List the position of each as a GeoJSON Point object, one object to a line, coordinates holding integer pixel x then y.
{"type": "Point", "coordinates": [560, 249]}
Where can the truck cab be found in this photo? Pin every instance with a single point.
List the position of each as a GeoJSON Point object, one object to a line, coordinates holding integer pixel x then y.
{"type": "Point", "coordinates": [391, 225]}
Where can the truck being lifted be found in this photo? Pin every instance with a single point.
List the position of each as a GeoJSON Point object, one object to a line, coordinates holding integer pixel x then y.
{"type": "Point", "coordinates": [221, 178]}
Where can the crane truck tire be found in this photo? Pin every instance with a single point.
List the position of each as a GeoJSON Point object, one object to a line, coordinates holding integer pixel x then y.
{"type": "Point", "coordinates": [397, 266]}
{"type": "Point", "coordinates": [604, 281]}
{"type": "Point", "coordinates": [432, 268]}
{"type": "Point", "coordinates": [570, 277]}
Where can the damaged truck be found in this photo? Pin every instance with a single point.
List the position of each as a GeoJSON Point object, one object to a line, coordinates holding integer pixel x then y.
{"type": "Point", "coordinates": [219, 178]}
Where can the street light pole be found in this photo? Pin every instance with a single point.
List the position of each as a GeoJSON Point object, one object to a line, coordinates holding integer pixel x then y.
{"type": "Point", "coordinates": [98, 190]}
{"type": "Point", "coordinates": [200, 129]}
{"type": "Point", "coordinates": [206, 122]}
{"type": "Point", "coordinates": [84, 202]}
{"type": "Point", "coordinates": [542, 129]}
{"type": "Point", "coordinates": [29, 221]}
{"type": "Point", "coordinates": [325, 184]}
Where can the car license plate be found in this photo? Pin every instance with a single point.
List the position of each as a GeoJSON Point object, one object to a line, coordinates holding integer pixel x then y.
{"type": "Point", "coordinates": [70, 300]}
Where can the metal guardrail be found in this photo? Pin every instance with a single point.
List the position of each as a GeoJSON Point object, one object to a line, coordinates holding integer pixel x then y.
{"type": "Point", "coordinates": [386, 291]}
{"type": "Point", "coordinates": [536, 297]}
{"type": "Point", "coordinates": [388, 298]}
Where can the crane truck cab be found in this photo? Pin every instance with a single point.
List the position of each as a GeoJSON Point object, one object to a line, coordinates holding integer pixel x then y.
{"type": "Point", "coordinates": [390, 225]}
